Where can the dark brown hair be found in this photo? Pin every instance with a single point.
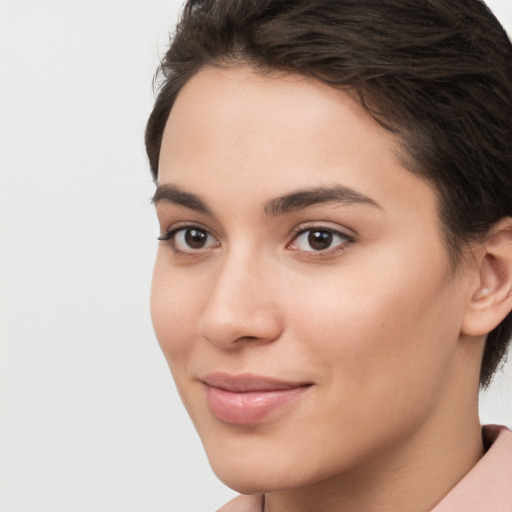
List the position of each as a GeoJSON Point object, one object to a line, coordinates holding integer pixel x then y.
{"type": "Point", "coordinates": [436, 73]}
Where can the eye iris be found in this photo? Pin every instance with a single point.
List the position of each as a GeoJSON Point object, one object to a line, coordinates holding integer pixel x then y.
{"type": "Point", "coordinates": [195, 238]}
{"type": "Point", "coordinates": [320, 240]}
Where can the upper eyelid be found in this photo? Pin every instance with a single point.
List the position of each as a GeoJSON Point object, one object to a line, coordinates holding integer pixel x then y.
{"type": "Point", "coordinates": [303, 226]}
{"type": "Point", "coordinates": [177, 226]}
{"type": "Point", "coordinates": [324, 226]}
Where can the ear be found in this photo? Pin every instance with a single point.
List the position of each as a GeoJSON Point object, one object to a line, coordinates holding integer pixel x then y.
{"type": "Point", "coordinates": [491, 298]}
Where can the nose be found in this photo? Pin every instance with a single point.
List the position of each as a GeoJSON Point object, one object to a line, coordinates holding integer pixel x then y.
{"type": "Point", "coordinates": [241, 306]}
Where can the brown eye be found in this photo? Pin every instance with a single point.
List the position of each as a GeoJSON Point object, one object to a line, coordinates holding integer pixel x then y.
{"type": "Point", "coordinates": [189, 239]}
{"type": "Point", "coordinates": [195, 238]}
{"type": "Point", "coordinates": [320, 240]}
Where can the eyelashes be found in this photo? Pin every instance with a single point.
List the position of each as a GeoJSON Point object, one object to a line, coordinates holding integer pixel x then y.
{"type": "Point", "coordinates": [319, 240]}
{"type": "Point", "coordinates": [189, 239]}
{"type": "Point", "coordinates": [313, 241]}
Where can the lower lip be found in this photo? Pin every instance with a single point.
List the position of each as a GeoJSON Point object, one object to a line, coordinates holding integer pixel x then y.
{"type": "Point", "coordinates": [251, 407]}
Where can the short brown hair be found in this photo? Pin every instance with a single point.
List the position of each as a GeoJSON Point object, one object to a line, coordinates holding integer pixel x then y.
{"type": "Point", "coordinates": [437, 74]}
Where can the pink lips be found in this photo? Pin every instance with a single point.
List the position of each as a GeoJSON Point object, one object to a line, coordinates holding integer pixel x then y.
{"type": "Point", "coordinates": [248, 399]}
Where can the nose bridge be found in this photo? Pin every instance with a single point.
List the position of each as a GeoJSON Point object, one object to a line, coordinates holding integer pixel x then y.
{"type": "Point", "coordinates": [241, 303]}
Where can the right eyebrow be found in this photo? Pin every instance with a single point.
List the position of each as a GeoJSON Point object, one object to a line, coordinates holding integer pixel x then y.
{"type": "Point", "coordinates": [306, 198]}
{"type": "Point", "coordinates": [175, 195]}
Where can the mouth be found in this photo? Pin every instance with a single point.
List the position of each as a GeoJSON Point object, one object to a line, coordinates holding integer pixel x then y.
{"type": "Point", "coordinates": [248, 399]}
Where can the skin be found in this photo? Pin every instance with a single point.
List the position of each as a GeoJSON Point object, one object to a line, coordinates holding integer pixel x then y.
{"type": "Point", "coordinates": [375, 323]}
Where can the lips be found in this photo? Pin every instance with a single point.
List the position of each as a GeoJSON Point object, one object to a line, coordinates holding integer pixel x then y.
{"type": "Point", "coordinates": [248, 399]}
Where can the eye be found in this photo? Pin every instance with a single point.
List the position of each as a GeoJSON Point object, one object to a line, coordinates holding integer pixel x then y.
{"type": "Point", "coordinates": [189, 239]}
{"type": "Point", "coordinates": [319, 240]}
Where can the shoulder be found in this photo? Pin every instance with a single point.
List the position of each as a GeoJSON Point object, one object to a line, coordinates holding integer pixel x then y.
{"type": "Point", "coordinates": [243, 504]}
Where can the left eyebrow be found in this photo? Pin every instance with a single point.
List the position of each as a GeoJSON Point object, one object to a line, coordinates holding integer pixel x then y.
{"type": "Point", "coordinates": [175, 195]}
{"type": "Point", "coordinates": [314, 196]}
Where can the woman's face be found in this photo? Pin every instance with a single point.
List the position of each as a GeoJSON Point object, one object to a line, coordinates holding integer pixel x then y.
{"type": "Point", "coordinates": [302, 296]}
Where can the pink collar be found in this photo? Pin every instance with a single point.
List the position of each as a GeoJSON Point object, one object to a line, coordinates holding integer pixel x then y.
{"type": "Point", "coordinates": [488, 486]}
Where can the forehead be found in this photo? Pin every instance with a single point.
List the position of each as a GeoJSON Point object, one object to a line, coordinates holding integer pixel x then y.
{"type": "Point", "coordinates": [268, 134]}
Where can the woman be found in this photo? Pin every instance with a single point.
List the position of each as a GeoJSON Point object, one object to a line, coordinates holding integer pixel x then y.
{"type": "Point", "coordinates": [334, 279]}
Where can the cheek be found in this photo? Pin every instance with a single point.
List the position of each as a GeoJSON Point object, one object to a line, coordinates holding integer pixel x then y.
{"type": "Point", "coordinates": [174, 311]}
{"type": "Point", "coordinates": [377, 327]}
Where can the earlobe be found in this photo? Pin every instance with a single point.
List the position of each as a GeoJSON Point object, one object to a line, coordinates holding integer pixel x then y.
{"type": "Point", "coordinates": [491, 300]}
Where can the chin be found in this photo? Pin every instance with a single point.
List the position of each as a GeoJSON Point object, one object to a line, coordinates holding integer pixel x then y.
{"type": "Point", "coordinates": [255, 481]}
{"type": "Point", "coordinates": [253, 472]}
{"type": "Point", "coordinates": [242, 473]}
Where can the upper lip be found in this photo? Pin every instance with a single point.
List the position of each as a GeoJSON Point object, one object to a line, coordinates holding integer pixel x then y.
{"type": "Point", "coordinates": [248, 382]}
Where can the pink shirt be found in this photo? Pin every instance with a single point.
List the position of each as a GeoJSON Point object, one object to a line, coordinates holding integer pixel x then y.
{"type": "Point", "coordinates": [486, 488]}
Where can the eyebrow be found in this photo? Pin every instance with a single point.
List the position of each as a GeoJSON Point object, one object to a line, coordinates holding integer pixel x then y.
{"type": "Point", "coordinates": [281, 205]}
{"type": "Point", "coordinates": [306, 198]}
{"type": "Point", "coordinates": [175, 195]}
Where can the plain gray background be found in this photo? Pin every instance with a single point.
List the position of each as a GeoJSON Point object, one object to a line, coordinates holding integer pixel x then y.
{"type": "Point", "coordinates": [89, 417]}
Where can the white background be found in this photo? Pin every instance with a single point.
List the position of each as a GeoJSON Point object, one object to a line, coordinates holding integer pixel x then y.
{"type": "Point", "coordinates": [89, 417]}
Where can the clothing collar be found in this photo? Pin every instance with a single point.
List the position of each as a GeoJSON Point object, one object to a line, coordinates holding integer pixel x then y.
{"type": "Point", "coordinates": [488, 486]}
